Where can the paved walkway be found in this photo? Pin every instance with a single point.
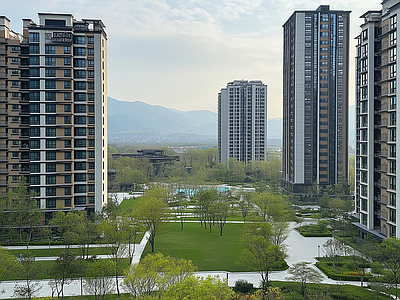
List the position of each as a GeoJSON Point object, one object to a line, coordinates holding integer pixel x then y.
{"type": "Point", "coordinates": [299, 249]}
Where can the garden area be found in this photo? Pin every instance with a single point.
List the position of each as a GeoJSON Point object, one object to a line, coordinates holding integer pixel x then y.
{"type": "Point", "coordinates": [320, 229]}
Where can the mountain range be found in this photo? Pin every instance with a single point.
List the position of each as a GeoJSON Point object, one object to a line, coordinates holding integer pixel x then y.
{"type": "Point", "coordinates": [149, 122]}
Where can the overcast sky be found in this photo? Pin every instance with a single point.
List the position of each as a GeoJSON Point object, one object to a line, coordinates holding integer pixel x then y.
{"type": "Point", "coordinates": [180, 53]}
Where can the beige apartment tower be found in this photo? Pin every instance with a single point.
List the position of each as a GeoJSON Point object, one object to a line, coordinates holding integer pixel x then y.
{"type": "Point", "coordinates": [53, 110]}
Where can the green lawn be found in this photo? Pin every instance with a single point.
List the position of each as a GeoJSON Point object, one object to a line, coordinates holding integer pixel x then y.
{"type": "Point", "coordinates": [128, 204]}
{"type": "Point", "coordinates": [45, 266]}
{"type": "Point", "coordinates": [208, 251]}
{"type": "Point", "coordinates": [57, 251]}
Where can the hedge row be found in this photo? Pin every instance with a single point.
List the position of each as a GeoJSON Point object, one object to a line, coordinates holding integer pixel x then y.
{"type": "Point", "coordinates": [338, 276]}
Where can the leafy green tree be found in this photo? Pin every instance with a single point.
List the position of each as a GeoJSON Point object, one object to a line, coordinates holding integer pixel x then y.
{"type": "Point", "coordinates": [153, 212]}
{"type": "Point", "coordinates": [97, 281]}
{"type": "Point", "coordinates": [388, 254]}
{"type": "Point", "coordinates": [304, 274]}
{"type": "Point", "coordinates": [156, 271]}
{"type": "Point", "coordinates": [270, 206]}
{"type": "Point", "coordinates": [220, 211]}
{"type": "Point", "coordinates": [29, 271]}
{"type": "Point", "coordinates": [8, 264]}
{"type": "Point", "coordinates": [260, 253]}
{"type": "Point", "coordinates": [62, 271]}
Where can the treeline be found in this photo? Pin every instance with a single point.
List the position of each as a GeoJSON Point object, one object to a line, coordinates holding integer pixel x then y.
{"type": "Point", "coordinates": [199, 166]}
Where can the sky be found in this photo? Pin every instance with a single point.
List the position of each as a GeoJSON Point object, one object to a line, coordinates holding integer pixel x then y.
{"type": "Point", "coordinates": [180, 53]}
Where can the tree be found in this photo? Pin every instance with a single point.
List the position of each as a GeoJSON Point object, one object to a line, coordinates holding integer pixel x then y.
{"type": "Point", "coordinates": [156, 271]}
{"type": "Point", "coordinates": [97, 281]}
{"type": "Point", "coordinates": [333, 248]}
{"type": "Point", "coordinates": [304, 274]}
{"type": "Point", "coordinates": [244, 204]}
{"type": "Point", "coordinates": [8, 264]}
{"type": "Point", "coordinates": [153, 213]}
{"type": "Point", "coordinates": [260, 254]}
{"type": "Point", "coordinates": [220, 211]}
{"type": "Point", "coordinates": [388, 254]}
{"type": "Point", "coordinates": [28, 271]}
{"type": "Point", "coordinates": [63, 270]}
{"type": "Point", "coordinates": [270, 206]}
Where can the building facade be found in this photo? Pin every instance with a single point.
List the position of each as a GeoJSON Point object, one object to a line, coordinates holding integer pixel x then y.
{"type": "Point", "coordinates": [376, 125]}
{"type": "Point", "coordinates": [315, 99]}
{"type": "Point", "coordinates": [242, 121]}
{"type": "Point", "coordinates": [53, 110]}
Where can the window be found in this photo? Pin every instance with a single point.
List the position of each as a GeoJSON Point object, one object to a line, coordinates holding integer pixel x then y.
{"type": "Point", "coordinates": [393, 87]}
{"type": "Point", "coordinates": [33, 60]}
{"type": "Point", "coordinates": [80, 200]}
{"type": "Point", "coordinates": [91, 154]}
{"type": "Point", "coordinates": [67, 107]}
{"type": "Point", "coordinates": [33, 49]}
{"type": "Point", "coordinates": [91, 97]}
{"type": "Point", "coordinates": [50, 155]}
{"type": "Point", "coordinates": [50, 96]}
{"type": "Point", "coordinates": [50, 203]}
{"type": "Point", "coordinates": [80, 74]}
{"type": "Point", "coordinates": [35, 179]}
{"type": "Point", "coordinates": [90, 85]}
{"type": "Point", "coordinates": [67, 85]}
{"type": "Point", "coordinates": [50, 144]}
{"type": "Point", "coordinates": [15, 130]}
{"type": "Point", "coordinates": [34, 96]}
{"type": "Point", "coordinates": [80, 85]}
{"type": "Point", "coordinates": [67, 96]}
{"type": "Point", "coordinates": [67, 155]}
{"type": "Point", "coordinates": [50, 120]}
{"type": "Point", "coordinates": [34, 120]}
{"type": "Point", "coordinates": [14, 48]}
{"type": "Point", "coordinates": [79, 40]}
{"type": "Point", "coordinates": [80, 120]}
{"type": "Point", "coordinates": [91, 74]}
{"type": "Point", "coordinates": [324, 34]}
{"type": "Point", "coordinates": [79, 51]}
{"type": "Point", "coordinates": [35, 144]}
{"type": "Point", "coordinates": [91, 176]}
{"type": "Point", "coordinates": [50, 73]}
{"type": "Point", "coordinates": [79, 108]}
{"type": "Point", "coordinates": [67, 202]}
{"type": "Point", "coordinates": [79, 131]}
{"type": "Point", "coordinates": [80, 166]}
{"type": "Point", "coordinates": [67, 179]}
{"type": "Point", "coordinates": [15, 143]}
{"type": "Point", "coordinates": [90, 51]}
{"type": "Point", "coordinates": [35, 131]}
{"type": "Point", "coordinates": [80, 143]}
{"type": "Point", "coordinates": [15, 119]}
{"type": "Point", "coordinates": [324, 49]}
{"type": "Point", "coordinates": [67, 167]}
{"type": "Point", "coordinates": [90, 63]}
{"type": "Point", "coordinates": [67, 120]}
{"type": "Point", "coordinates": [50, 179]}
{"type": "Point", "coordinates": [34, 37]}
{"type": "Point", "coordinates": [35, 168]}
{"type": "Point", "coordinates": [50, 192]}
{"type": "Point", "coordinates": [49, 49]}
{"type": "Point", "coordinates": [50, 61]}
{"type": "Point", "coordinates": [79, 177]}
{"type": "Point", "coordinates": [50, 84]}
{"type": "Point", "coordinates": [16, 72]}
{"type": "Point", "coordinates": [80, 97]}
{"type": "Point", "coordinates": [67, 61]}
{"type": "Point", "coordinates": [91, 120]}
{"type": "Point", "coordinates": [91, 108]}
{"type": "Point", "coordinates": [50, 167]}
{"type": "Point", "coordinates": [33, 72]}
{"type": "Point", "coordinates": [50, 108]}
{"type": "Point", "coordinates": [15, 154]}
{"type": "Point", "coordinates": [67, 49]}
{"type": "Point", "coordinates": [67, 73]}
{"type": "Point", "coordinates": [91, 165]}
{"type": "Point", "coordinates": [393, 54]}
{"type": "Point", "coordinates": [91, 199]}
{"type": "Point", "coordinates": [80, 154]}
{"type": "Point", "coordinates": [67, 191]}
{"type": "Point", "coordinates": [16, 60]}
{"type": "Point", "coordinates": [393, 102]}
{"type": "Point", "coordinates": [91, 131]}
{"type": "Point", "coordinates": [67, 131]}
{"type": "Point", "coordinates": [325, 18]}
{"type": "Point", "coordinates": [50, 131]}
{"type": "Point", "coordinates": [67, 144]}
{"type": "Point", "coordinates": [80, 188]}
{"type": "Point", "coordinates": [15, 166]}
{"type": "Point", "coordinates": [90, 40]}
{"type": "Point", "coordinates": [79, 63]}
{"type": "Point", "coordinates": [34, 84]}
{"type": "Point", "coordinates": [91, 187]}
{"type": "Point", "coordinates": [91, 143]}
{"type": "Point", "coordinates": [393, 38]}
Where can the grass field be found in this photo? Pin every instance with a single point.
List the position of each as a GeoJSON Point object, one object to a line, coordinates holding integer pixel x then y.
{"type": "Point", "coordinates": [208, 251]}
{"type": "Point", "coordinates": [129, 204]}
{"type": "Point", "coordinates": [57, 251]}
{"type": "Point", "coordinates": [45, 266]}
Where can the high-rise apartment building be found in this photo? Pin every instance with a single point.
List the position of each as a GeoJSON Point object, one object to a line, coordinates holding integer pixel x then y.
{"type": "Point", "coordinates": [53, 110]}
{"type": "Point", "coordinates": [315, 98]}
{"type": "Point", "coordinates": [376, 113]}
{"type": "Point", "coordinates": [242, 121]}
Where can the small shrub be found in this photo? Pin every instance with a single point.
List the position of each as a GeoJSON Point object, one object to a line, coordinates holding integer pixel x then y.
{"type": "Point", "coordinates": [243, 286]}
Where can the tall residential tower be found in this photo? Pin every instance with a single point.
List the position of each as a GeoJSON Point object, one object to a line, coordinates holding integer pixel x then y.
{"type": "Point", "coordinates": [376, 122]}
{"type": "Point", "coordinates": [53, 110]}
{"type": "Point", "coordinates": [242, 121]}
{"type": "Point", "coordinates": [315, 98]}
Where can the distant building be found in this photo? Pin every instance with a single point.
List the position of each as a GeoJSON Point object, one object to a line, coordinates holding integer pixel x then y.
{"type": "Point", "coordinates": [377, 185]}
{"type": "Point", "coordinates": [53, 110]}
{"type": "Point", "coordinates": [242, 121]}
{"type": "Point", "coordinates": [315, 98]}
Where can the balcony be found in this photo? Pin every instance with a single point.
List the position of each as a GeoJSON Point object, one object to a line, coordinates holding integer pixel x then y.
{"type": "Point", "coordinates": [3, 75]}
{"type": "Point", "coordinates": [3, 62]}
{"type": "Point", "coordinates": [3, 135]}
{"type": "Point", "coordinates": [3, 99]}
{"type": "Point", "coordinates": [3, 158]}
{"type": "Point", "coordinates": [3, 146]}
{"type": "Point", "coordinates": [3, 171]}
{"type": "Point", "coordinates": [24, 157]}
{"type": "Point", "coordinates": [3, 182]}
{"type": "Point", "coordinates": [24, 146]}
{"type": "Point", "coordinates": [24, 170]}
{"type": "Point", "coordinates": [3, 86]}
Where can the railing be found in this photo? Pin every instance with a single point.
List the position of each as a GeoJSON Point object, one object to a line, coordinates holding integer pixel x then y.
{"type": "Point", "coordinates": [3, 86]}
{"type": "Point", "coordinates": [3, 74]}
{"type": "Point", "coordinates": [3, 158]}
{"type": "Point", "coordinates": [3, 62]}
{"type": "Point", "coordinates": [3, 170]}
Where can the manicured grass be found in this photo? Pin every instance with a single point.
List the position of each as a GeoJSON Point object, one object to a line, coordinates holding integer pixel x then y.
{"type": "Point", "coordinates": [57, 251]}
{"type": "Point", "coordinates": [320, 229]}
{"type": "Point", "coordinates": [45, 266]}
{"type": "Point", "coordinates": [208, 251]}
{"type": "Point", "coordinates": [128, 204]}
{"type": "Point", "coordinates": [291, 290]}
